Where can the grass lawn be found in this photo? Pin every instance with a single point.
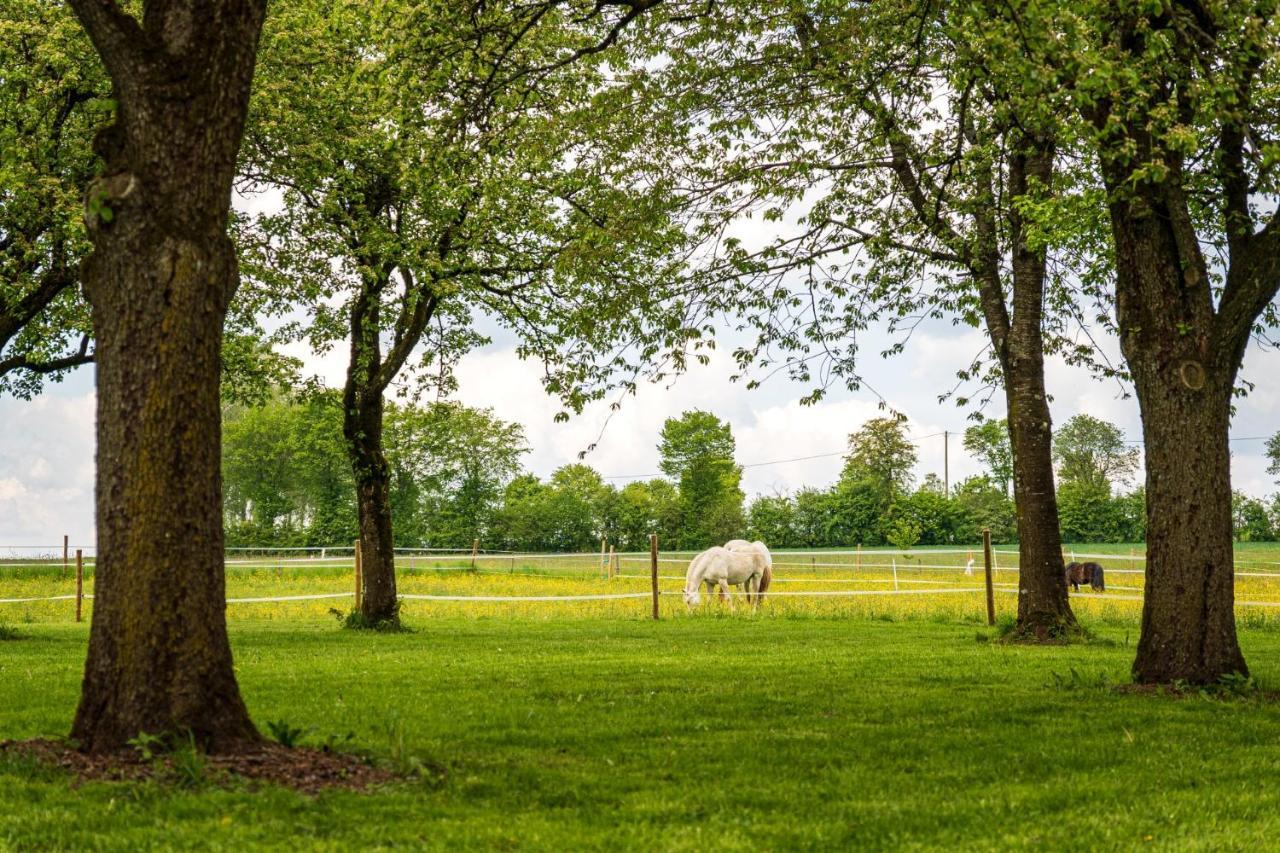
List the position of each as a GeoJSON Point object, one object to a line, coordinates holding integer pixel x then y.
{"type": "Point", "coordinates": [694, 733]}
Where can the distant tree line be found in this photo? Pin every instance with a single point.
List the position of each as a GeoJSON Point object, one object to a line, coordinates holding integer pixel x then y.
{"type": "Point", "coordinates": [457, 476]}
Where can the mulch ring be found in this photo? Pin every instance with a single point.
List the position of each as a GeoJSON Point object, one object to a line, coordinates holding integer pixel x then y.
{"type": "Point", "coordinates": [308, 771]}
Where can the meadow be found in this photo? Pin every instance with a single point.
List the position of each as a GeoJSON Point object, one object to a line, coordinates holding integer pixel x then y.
{"type": "Point", "coordinates": [875, 722]}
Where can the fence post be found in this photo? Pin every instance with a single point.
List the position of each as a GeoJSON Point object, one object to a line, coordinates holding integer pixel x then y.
{"type": "Point", "coordinates": [895, 574]}
{"type": "Point", "coordinates": [359, 575]}
{"type": "Point", "coordinates": [602, 554]}
{"type": "Point", "coordinates": [79, 583]}
{"type": "Point", "coordinates": [613, 557]}
{"type": "Point", "coordinates": [653, 570]}
{"type": "Point", "coordinates": [475, 549]}
{"type": "Point", "coordinates": [986, 558]}
{"type": "Point", "coordinates": [66, 554]}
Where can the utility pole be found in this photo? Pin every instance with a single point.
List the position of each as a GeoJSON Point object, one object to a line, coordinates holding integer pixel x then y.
{"type": "Point", "coordinates": [946, 463]}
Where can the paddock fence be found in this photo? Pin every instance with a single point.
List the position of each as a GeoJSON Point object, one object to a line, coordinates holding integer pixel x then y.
{"type": "Point", "coordinates": [939, 580]}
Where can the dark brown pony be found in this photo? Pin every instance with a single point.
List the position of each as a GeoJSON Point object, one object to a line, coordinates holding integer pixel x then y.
{"type": "Point", "coordinates": [1090, 573]}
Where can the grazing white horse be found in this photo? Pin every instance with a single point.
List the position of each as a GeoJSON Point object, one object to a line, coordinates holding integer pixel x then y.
{"type": "Point", "coordinates": [719, 567]}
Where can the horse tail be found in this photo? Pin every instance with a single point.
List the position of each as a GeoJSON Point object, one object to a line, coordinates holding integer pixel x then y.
{"type": "Point", "coordinates": [1098, 583]}
{"type": "Point", "coordinates": [765, 580]}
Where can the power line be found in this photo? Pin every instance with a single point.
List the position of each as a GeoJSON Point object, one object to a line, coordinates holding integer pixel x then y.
{"type": "Point", "coordinates": [770, 462]}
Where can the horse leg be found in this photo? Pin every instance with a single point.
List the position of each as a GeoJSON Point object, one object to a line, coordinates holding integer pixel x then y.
{"type": "Point", "coordinates": [725, 595]}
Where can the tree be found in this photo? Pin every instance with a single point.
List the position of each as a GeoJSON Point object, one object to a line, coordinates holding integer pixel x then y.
{"type": "Point", "coordinates": [1273, 454]}
{"type": "Point", "coordinates": [160, 278]}
{"type": "Point", "coordinates": [556, 516]}
{"type": "Point", "coordinates": [647, 507]}
{"type": "Point", "coordinates": [1250, 521]}
{"type": "Point", "coordinates": [500, 198]}
{"type": "Point", "coordinates": [697, 451]}
{"type": "Point", "coordinates": [449, 465]}
{"type": "Point", "coordinates": [989, 442]}
{"type": "Point", "coordinates": [987, 506]}
{"type": "Point", "coordinates": [771, 519]}
{"type": "Point", "coordinates": [923, 198]}
{"type": "Point", "coordinates": [1178, 107]}
{"type": "Point", "coordinates": [285, 476]}
{"type": "Point", "coordinates": [1093, 452]}
{"type": "Point", "coordinates": [881, 453]}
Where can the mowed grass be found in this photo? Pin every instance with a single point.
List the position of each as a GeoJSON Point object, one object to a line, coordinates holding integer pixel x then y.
{"type": "Point", "coordinates": [705, 732]}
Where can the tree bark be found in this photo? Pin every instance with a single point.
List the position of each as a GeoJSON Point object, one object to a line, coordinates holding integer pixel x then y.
{"type": "Point", "coordinates": [1188, 618]}
{"type": "Point", "coordinates": [1044, 609]}
{"type": "Point", "coordinates": [1184, 367]}
{"type": "Point", "coordinates": [362, 429]}
{"type": "Point", "coordinates": [159, 281]}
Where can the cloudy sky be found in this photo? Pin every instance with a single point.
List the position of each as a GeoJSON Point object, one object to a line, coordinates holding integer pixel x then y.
{"type": "Point", "coordinates": [46, 445]}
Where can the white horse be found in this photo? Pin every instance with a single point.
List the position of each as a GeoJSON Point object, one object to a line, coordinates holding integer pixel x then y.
{"type": "Point", "coordinates": [719, 567]}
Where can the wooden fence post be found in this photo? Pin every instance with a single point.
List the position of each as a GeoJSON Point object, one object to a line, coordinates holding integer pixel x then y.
{"type": "Point", "coordinates": [613, 559]}
{"type": "Point", "coordinates": [79, 583]}
{"type": "Point", "coordinates": [986, 558]}
{"type": "Point", "coordinates": [359, 576]}
{"type": "Point", "coordinates": [653, 570]}
{"type": "Point", "coordinates": [66, 554]}
{"type": "Point", "coordinates": [475, 549]}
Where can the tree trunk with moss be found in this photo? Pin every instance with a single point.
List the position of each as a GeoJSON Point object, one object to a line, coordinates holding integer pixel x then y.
{"type": "Point", "coordinates": [1183, 357]}
{"type": "Point", "coordinates": [362, 427]}
{"type": "Point", "coordinates": [160, 278]}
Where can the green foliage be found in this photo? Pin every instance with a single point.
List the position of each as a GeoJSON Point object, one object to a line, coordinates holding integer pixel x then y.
{"type": "Point", "coordinates": [449, 465]}
{"type": "Point", "coordinates": [287, 479]}
{"type": "Point", "coordinates": [8, 632]}
{"type": "Point", "coordinates": [697, 451]}
{"type": "Point", "coordinates": [1089, 512]}
{"type": "Point", "coordinates": [989, 442]}
{"type": "Point", "coordinates": [508, 197]}
{"type": "Point", "coordinates": [1273, 454]}
{"type": "Point", "coordinates": [1092, 452]}
{"type": "Point", "coordinates": [881, 454]}
{"type": "Point", "coordinates": [285, 734]}
{"type": "Point", "coordinates": [771, 519]}
{"type": "Point", "coordinates": [53, 97]}
{"type": "Point", "coordinates": [147, 745]}
{"type": "Point", "coordinates": [187, 760]}
{"type": "Point", "coordinates": [987, 505]}
{"type": "Point", "coordinates": [1250, 520]}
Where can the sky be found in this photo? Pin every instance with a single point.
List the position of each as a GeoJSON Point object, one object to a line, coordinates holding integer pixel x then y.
{"type": "Point", "coordinates": [47, 445]}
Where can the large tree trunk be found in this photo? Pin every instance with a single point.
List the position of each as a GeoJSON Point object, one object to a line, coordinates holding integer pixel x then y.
{"type": "Point", "coordinates": [1188, 621]}
{"type": "Point", "coordinates": [1183, 370]}
{"type": "Point", "coordinates": [159, 281]}
{"type": "Point", "coordinates": [362, 427]}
